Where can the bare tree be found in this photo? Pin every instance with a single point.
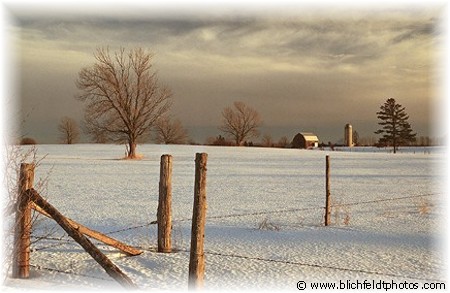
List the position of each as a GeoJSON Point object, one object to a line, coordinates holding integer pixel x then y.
{"type": "Point", "coordinates": [69, 132]}
{"type": "Point", "coordinates": [123, 96]}
{"type": "Point", "coordinates": [355, 137]}
{"type": "Point", "coordinates": [170, 132]}
{"type": "Point", "coordinates": [267, 141]}
{"type": "Point", "coordinates": [283, 142]}
{"type": "Point", "coordinates": [27, 141]}
{"type": "Point", "coordinates": [240, 123]}
{"type": "Point", "coordinates": [218, 140]}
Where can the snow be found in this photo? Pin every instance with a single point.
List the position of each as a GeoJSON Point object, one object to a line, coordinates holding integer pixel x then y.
{"type": "Point", "coordinates": [387, 221]}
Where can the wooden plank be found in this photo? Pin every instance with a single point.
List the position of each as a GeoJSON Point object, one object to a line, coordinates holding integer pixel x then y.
{"type": "Point", "coordinates": [110, 268]}
{"type": "Point", "coordinates": [197, 256]}
{"type": "Point", "coordinates": [165, 205]}
{"type": "Point", "coordinates": [129, 250]}
{"type": "Point", "coordinates": [22, 233]}
{"type": "Point", "coordinates": [327, 192]}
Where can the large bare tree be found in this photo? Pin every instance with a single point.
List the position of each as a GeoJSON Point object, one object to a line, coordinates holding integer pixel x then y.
{"type": "Point", "coordinates": [170, 131]}
{"type": "Point", "coordinates": [69, 132]}
{"type": "Point", "coordinates": [122, 96]}
{"type": "Point", "coordinates": [240, 123]}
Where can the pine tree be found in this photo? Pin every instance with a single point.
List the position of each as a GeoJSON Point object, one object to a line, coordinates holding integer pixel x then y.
{"type": "Point", "coordinates": [396, 128]}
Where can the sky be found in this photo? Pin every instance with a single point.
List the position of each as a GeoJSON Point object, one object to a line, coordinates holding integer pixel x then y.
{"type": "Point", "coordinates": [304, 68]}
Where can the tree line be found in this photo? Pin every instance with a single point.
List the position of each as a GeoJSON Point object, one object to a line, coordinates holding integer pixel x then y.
{"type": "Point", "coordinates": [124, 102]}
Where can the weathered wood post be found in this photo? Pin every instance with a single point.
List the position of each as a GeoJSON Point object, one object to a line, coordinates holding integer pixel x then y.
{"type": "Point", "coordinates": [164, 216]}
{"type": "Point", "coordinates": [197, 257]}
{"type": "Point", "coordinates": [110, 268]}
{"type": "Point", "coordinates": [328, 193]}
{"type": "Point", "coordinates": [21, 254]}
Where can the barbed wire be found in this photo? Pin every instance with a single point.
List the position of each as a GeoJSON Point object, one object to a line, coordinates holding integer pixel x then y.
{"type": "Point", "coordinates": [323, 266]}
{"type": "Point", "coordinates": [38, 267]}
{"type": "Point", "coordinates": [312, 265]}
{"type": "Point", "coordinates": [271, 212]}
{"type": "Point", "coordinates": [278, 211]}
{"type": "Point", "coordinates": [387, 199]}
{"type": "Point", "coordinates": [131, 228]}
{"type": "Point", "coordinates": [387, 274]}
{"type": "Point", "coordinates": [256, 258]}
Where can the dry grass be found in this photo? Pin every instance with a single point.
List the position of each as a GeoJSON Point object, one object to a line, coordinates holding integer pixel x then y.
{"type": "Point", "coordinates": [424, 206]}
{"type": "Point", "coordinates": [346, 220]}
{"type": "Point", "coordinates": [341, 214]}
{"type": "Point", "coordinates": [266, 225]}
{"type": "Point", "coordinates": [14, 156]}
{"type": "Point", "coordinates": [136, 158]}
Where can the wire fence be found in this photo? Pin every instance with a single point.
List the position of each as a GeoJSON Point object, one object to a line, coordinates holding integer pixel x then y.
{"type": "Point", "coordinates": [352, 206]}
{"type": "Point", "coordinates": [45, 242]}
{"type": "Point", "coordinates": [253, 258]}
{"type": "Point", "coordinates": [279, 211]}
{"type": "Point", "coordinates": [256, 213]}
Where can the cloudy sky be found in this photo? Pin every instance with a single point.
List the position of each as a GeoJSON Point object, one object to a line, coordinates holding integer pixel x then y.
{"type": "Point", "coordinates": [303, 68]}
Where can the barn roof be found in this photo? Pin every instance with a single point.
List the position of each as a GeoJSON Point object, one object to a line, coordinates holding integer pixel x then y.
{"type": "Point", "coordinates": [309, 136]}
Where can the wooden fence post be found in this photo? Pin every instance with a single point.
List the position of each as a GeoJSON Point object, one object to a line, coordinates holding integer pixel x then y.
{"type": "Point", "coordinates": [94, 234]}
{"type": "Point", "coordinates": [197, 257]}
{"type": "Point", "coordinates": [21, 254]}
{"type": "Point", "coordinates": [328, 193]}
{"type": "Point", "coordinates": [164, 216]}
{"type": "Point", "coordinates": [110, 268]}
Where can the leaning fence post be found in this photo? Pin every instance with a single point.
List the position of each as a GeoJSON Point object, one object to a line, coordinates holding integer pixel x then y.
{"type": "Point", "coordinates": [21, 254]}
{"type": "Point", "coordinates": [110, 268]}
{"type": "Point", "coordinates": [164, 216]}
{"type": "Point", "coordinates": [327, 189]}
{"type": "Point", "coordinates": [197, 257]}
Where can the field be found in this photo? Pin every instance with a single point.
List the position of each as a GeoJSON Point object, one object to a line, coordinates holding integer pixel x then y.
{"type": "Point", "coordinates": [264, 226]}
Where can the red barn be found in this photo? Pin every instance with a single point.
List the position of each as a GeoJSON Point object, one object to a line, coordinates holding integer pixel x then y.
{"type": "Point", "coordinates": [305, 140]}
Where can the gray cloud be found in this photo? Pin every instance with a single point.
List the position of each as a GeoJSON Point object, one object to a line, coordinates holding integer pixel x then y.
{"type": "Point", "coordinates": [297, 70]}
{"type": "Point", "coordinates": [428, 29]}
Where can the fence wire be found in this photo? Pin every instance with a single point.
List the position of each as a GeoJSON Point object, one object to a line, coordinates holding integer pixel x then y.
{"type": "Point", "coordinates": [278, 211]}
{"type": "Point", "coordinates": [236, 215]}
{"type": "Point", "coordinates": [253, 258]}
{"type": "Point", "coordinates": [313, 216]}
{"type": "Point", "coordinates": [61, 241]}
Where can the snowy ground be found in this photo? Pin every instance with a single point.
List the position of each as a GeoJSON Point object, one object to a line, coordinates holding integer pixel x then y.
{"type": "Point", "coordinates": [387, 217]}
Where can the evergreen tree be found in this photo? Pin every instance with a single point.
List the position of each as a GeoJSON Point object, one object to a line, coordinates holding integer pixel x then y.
{"type": "Point", "coordinates": [396, 129]}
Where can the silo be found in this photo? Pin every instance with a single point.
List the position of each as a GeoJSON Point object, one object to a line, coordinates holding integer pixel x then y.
{"type": "Point", "coordinates": [348, 135]}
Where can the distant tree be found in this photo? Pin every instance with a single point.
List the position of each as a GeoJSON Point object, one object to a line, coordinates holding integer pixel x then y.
{"type": "Point", "coordinates": [27, 141]}
{"type": "Point", "coordinates": [69, 132]}
{"type": "Point", "coordinates": [123, 98]}
{"type": "Point", "coordinates": [210, 140]}
{"type": "Point", "coordinates": [218, 141]}
{"type": "Point", "coordinates": [170, 132]}
{"type": "Point", "coordinates": [283, 142]}
{"type": "Point", "coordinates": [396, 129]}
{"type": "Point", "coordinates": [367, 141]}
{"type": "Point", "coordinates": [267, 140]}
{"type": "Point", "coordinates": [355, 137]}
{"type": "Point", "coordinates": [240, 123]}
{"type": "Point", "coordinates": [426, 141]}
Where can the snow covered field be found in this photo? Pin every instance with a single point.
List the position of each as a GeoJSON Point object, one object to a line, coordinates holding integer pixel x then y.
{"type": "Point", "coordinates": [264, 225]}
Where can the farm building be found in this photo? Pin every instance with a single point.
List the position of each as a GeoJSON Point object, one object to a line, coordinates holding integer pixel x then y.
{"type": "Point", "coordinates": [305, 140]}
